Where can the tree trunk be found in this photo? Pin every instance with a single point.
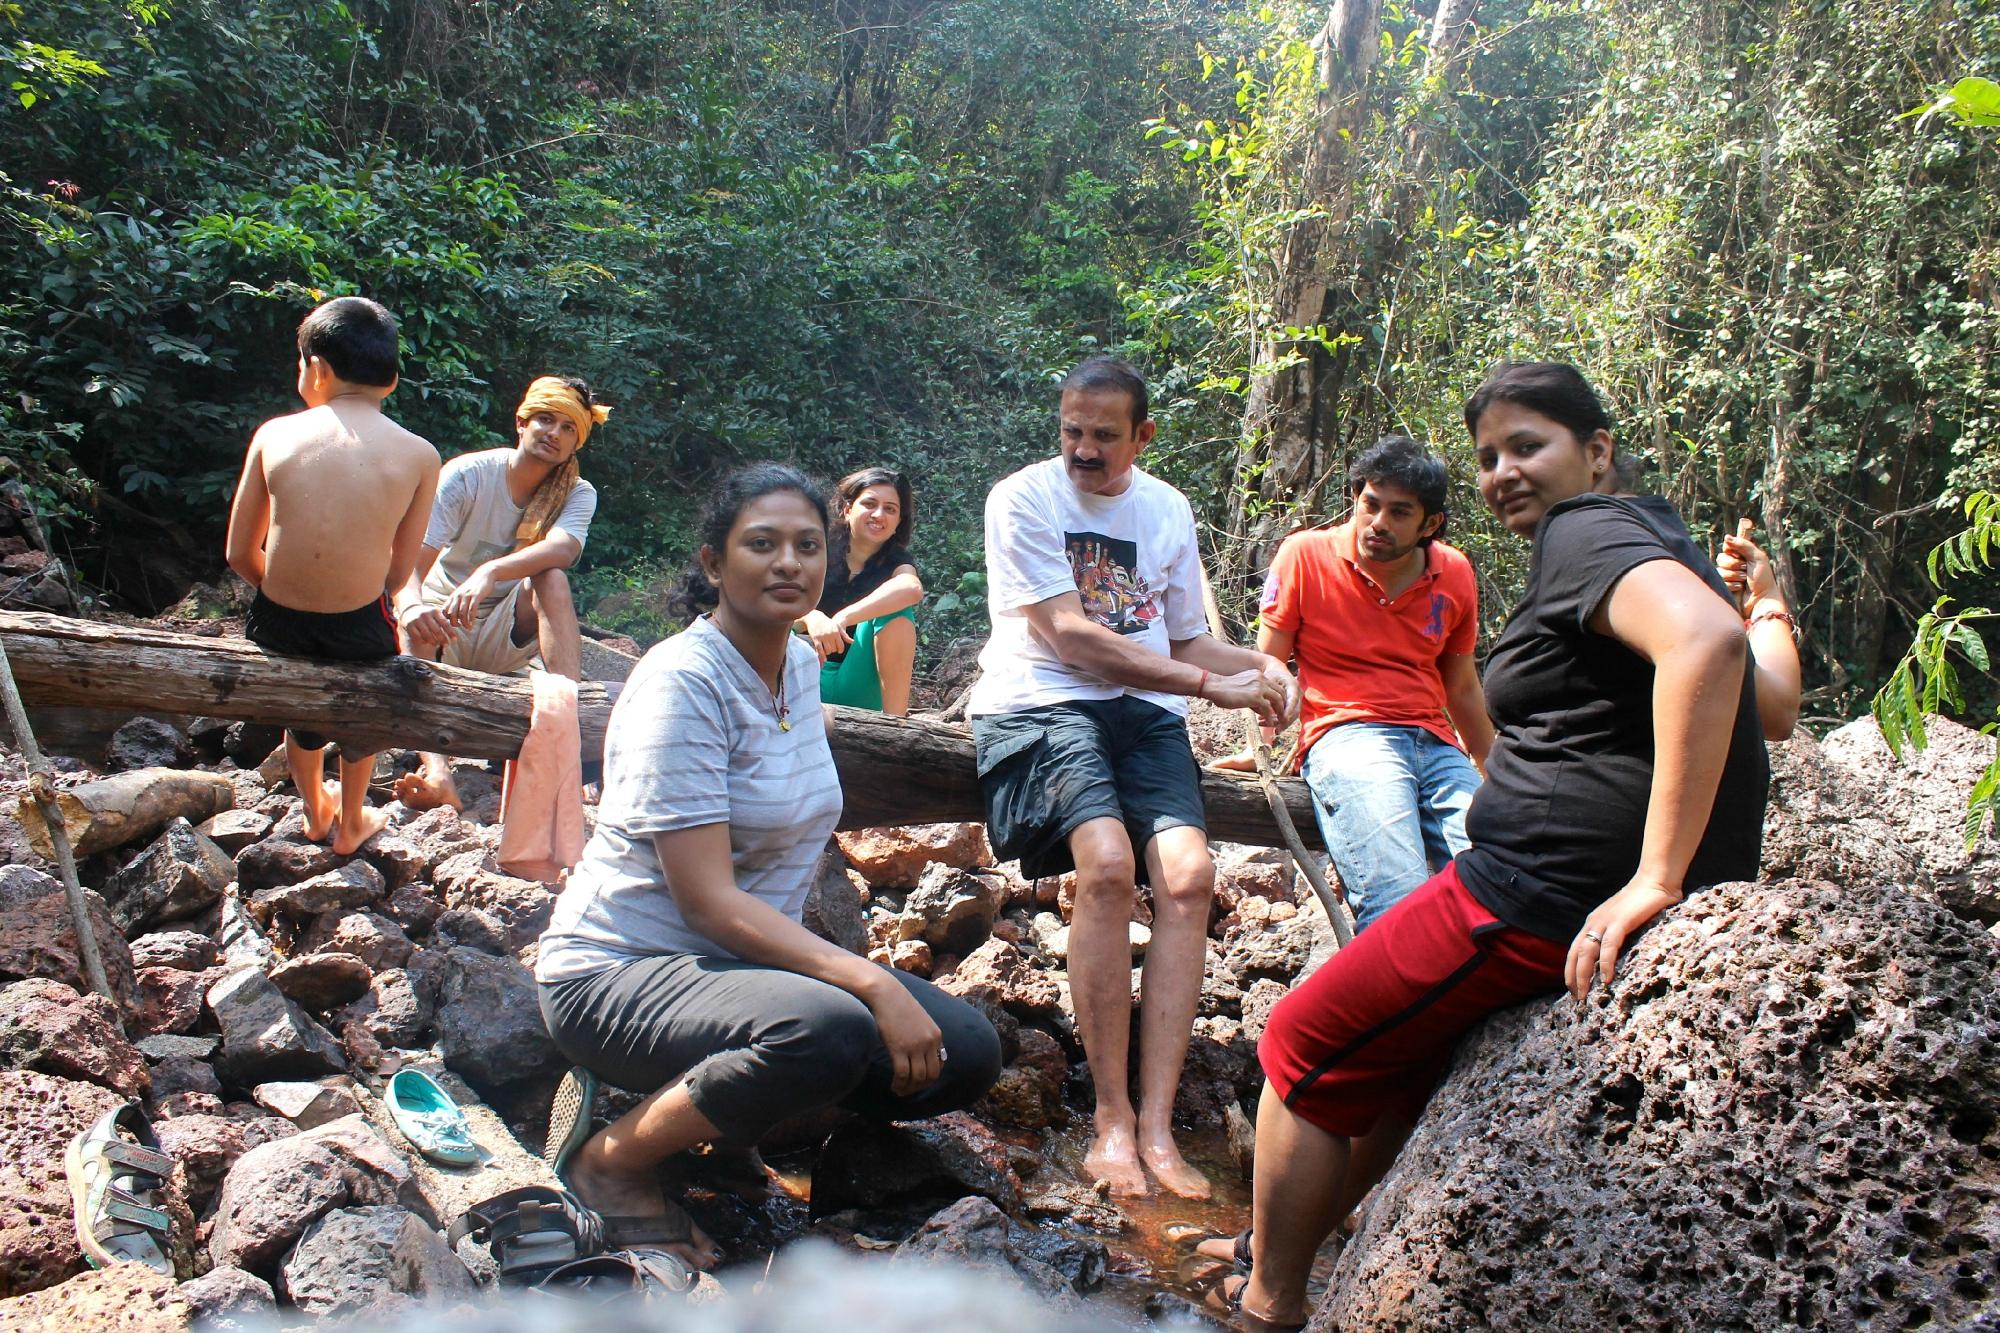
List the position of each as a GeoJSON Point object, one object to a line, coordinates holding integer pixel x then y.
{"type": "Point", "coordinates": [126, 807]}
{"type": "Point", "coordinates": [1279, 455]}
{"type": "Point", "coordinates": [892, 770]}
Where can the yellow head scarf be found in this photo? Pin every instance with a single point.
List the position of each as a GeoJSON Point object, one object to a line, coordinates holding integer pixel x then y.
{"type": "Point", "coordinates": [549, 394]}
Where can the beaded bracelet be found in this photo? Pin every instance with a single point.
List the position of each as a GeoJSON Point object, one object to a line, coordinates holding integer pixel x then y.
{"type": "Point", "coordinates": [1763, 616]}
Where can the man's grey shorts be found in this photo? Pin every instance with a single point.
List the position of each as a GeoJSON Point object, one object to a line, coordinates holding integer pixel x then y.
{"type": "Point", "coordinates": [1047, 770]}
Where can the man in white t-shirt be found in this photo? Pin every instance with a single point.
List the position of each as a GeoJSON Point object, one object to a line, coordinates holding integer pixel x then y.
{"type": "Point", "coordinates": [491, 587]}
{"type": "Point", "coordinates": [1098, 641]}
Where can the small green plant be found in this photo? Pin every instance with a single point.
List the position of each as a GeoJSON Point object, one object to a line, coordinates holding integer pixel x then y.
{"type": "Point", "coordinates": [1925, 683]}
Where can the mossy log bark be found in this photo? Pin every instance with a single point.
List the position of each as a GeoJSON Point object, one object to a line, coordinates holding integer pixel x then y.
{"type": "Point", "coordinates": [893, 770]}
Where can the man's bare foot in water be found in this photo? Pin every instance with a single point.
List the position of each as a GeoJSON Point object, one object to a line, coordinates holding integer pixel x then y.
{"type": "Point", "coordinates": [349, 834]}
{"type": "Point", "coordinates": [427, 790]}
{"type": "Point", "coordinates": [1163, 1159]}
{"type": "Point", "coordinates": [320, 816]}
{"type": "Point", "coordinates": [1114, 1159]}
{"type": "Point", "coordinates": [627, 1195]}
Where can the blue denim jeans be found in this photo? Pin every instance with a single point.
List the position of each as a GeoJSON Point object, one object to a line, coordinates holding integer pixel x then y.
{"type": "Point", "coordinates": [1391, 802]}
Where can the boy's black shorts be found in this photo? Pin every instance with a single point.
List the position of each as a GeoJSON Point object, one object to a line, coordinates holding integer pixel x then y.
{"type": "Point", "coordinates": [365, 634]}
{"type": "Point", "coordinates": [1046, 770]}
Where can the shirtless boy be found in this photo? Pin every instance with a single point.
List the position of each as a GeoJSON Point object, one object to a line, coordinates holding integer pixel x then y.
{"type": "Point", "coordinates": [330, 512]}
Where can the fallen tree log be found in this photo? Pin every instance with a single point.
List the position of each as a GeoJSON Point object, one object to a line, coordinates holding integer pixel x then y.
{"type": "Point", "coordinates": [126, 807]}
{"type": "Point", "coordinates": [892, 770]}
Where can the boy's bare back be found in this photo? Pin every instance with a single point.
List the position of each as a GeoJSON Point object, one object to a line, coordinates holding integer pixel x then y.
{"type": "Point", "coordinates": [350, 495]}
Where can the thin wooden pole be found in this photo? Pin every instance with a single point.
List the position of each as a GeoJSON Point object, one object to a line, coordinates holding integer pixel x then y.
{"type": "Point", "coordinates": [44, 792]}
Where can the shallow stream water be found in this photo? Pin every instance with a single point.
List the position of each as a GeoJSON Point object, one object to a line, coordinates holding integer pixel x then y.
{"type": "Point", "coordinates": [1147, 1257]}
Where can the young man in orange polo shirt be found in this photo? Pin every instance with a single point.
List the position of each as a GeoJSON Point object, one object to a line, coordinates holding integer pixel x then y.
{"type": "Point", "coordinates": [1382, 618]}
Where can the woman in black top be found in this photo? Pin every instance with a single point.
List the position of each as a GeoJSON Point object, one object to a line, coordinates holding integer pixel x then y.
{"type": "Point", "coordinates": [865, 627]}
{"type": "Point", "coordinates": [1628, 769]}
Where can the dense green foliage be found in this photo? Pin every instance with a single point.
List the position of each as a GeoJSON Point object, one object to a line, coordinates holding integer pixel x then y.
{"type": "Point", "coordinates": [844, 231]}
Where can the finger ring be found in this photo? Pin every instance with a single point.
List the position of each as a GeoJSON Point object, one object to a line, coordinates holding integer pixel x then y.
{"type": "Point", "coordinates": [1593, 937]}
{"type": "Point", "coordinates": [943, 1055]}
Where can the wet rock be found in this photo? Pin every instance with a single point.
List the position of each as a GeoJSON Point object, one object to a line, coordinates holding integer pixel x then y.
{"type": "Point", "coordinates": [266, 1036]}
{"type": "Point", "coordinates": [376, 941]}
{"type": "Point", "coordinates": [147, 742]}
{"type": "Point", "coordinates": [866, 1164]}
{"type": "Point", "coordinates": [127, 1298]}
{"type": "Point", "coordinates": [39, 1115]}
{"type": "Point", "coordinates": [833, 908]}
{"type": "Point", "coordinates": [322, 981]}
{"type": "Point", "coordinates": [1079, 1205]}
{"type": "Point", "coordinates": [1802, 1075]}
{"type": "Point", "coordinates": [1029, 1093]}
{"type": "Point", "coordinates": [229, 1300]}
{"type": "Point", "coordinates": [894, 858]}
{"type": "Point", "coordinates": [47, 1026]}
{"type": "Point", "coordinates": [207, 1146]}
{"type": "Point", "coordinates": [178, 875]}
{"type": "Point", "coordinates": [308, 1105]}
{"type": "Point", "coordinates": [170, 1000]}
{"type": "Point", "coordinates": [187, 950]}
{"type": "Point", "coordinates": [396, 1010]}
{"type": "Point", "coordinates": [277, 1190]}
{"type": "Point", "coordinates": [999, 971]}
{"type": "Point", "coordinates": [489, 1021]}
{"type": "Point", "coordinates": [1242, 1139]}
{"type": "Point", "coordinates": [973, 1233]}
{"type": "Point", "coordinates": [951, 910]}
{"type": "Point", "coordinates": [38, 937]}
{"type": "Point", "coordinates": [233, 830]}
{"type": "Point", "coordinates": [381, 1260]}
{"type": "Point", "coordinates": [353, 885]}
{"type": "Point", "coordinates": [276, 862]}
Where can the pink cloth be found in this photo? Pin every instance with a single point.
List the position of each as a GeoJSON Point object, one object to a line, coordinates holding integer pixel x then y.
{"type": "Point", "coordinates": [541, 799]}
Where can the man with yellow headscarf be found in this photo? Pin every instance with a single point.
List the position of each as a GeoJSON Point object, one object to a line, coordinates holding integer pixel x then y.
{"type": "Point", "coordinates": [490, 590]}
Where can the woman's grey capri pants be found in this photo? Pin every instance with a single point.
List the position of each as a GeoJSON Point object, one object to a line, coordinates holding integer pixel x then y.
{"type": "Point", "coordinates": [757, 1045]}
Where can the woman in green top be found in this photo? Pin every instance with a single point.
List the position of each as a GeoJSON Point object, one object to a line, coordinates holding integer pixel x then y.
{"type": "Point", "coordinates": [866, 625]}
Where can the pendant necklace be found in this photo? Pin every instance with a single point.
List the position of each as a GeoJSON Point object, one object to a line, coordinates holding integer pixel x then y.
{"type": "Point", "coordinates": [778, 697]}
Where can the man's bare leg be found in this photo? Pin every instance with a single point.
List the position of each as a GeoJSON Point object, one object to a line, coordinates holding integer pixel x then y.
{"type": "Point", "coordinates": [613, 1170]}
{"type": "Point", "coordinates": [359, 821]}
{"type": "Point", "coordinates": [309, 776]}
{"type": "Point", "coordinates": [895, 662]}
{"type": "Point", "coordinates": [1182, 873]}
{"type": "Point", "coordinates": [431, 785]}
{"type": "Point", "coordinates": [545, 613]}
{"type": "Point", "coordinates": [1100, 983]}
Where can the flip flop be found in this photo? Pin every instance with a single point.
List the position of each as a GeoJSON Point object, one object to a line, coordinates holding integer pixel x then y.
{"type": "Point", "coordinates": [531, 1231]}
{"type": "Point", "coordinates": [569, 1119]}
{"type": "Point", "coordinates": [1227, 1304]}
{"type": "Point", "coordinates": [430, 1119]}
{"type": "Point", "coordinates": [113, 1186]}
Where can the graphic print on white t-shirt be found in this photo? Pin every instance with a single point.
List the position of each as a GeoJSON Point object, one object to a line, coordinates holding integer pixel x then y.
{"type": "Point", "coordinates": [1115, 594]}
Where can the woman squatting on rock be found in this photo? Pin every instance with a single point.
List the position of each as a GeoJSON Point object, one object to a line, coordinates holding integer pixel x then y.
{"type": "Point", "coordinates": [675, 963]}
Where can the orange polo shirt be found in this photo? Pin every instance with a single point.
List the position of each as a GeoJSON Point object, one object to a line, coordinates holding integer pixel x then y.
{"type": "Point", "coordinates": [1363, 657]}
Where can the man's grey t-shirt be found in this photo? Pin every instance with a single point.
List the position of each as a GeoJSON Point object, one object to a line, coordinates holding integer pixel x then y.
{"type": "Point", "coordinates": [473, 519]}
{"type": "Point", "coordinates": [695, 740]}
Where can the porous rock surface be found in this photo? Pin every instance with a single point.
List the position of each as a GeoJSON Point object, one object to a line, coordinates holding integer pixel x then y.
{"type": "Point", "coordinates": [1785, 1114]}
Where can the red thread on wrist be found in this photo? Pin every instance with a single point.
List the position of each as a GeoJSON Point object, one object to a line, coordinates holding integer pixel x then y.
{"type": "Point", "coordinates": [1201, 690]}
